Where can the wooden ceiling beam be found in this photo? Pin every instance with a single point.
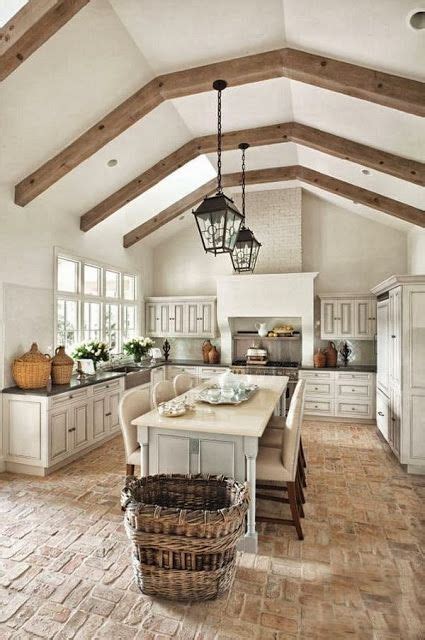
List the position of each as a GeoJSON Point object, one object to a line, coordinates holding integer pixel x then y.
{"type": "Point", "coordinates": [31, 27]}
{"type": "Point", "coordinates": [361, 154]}
{"type": "Point", "coordinates": [278, 174]}
{"type": "Point", "coordinates": [368, 84]}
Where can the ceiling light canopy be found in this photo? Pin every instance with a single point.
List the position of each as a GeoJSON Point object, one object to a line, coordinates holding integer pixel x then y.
{"type": "Point", "coordinates": [247, 247]}
{"type": "Point", "coordinates": [217, 217]}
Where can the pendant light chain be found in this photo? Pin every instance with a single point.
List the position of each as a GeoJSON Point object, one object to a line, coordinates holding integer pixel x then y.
{"type": "Point", "coordinates": [243, 185]}
{"type": "Point", "coordinates": [219, 188]}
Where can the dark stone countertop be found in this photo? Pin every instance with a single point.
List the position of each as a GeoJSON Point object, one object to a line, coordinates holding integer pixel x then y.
{"type": "Point", "coordinates": [360, 368]}
{"type": "Point", "coordinates": [100, 376]}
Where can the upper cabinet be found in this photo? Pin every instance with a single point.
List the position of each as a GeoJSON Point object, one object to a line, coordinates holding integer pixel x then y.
{"type": "Point", "coordinates": [347, 317]}
{"type": "Point", "coordinates": [185, 317]}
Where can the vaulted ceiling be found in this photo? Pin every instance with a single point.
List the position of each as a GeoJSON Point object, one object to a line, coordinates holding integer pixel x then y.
{"type": "Point", "coordinates": [110, 49]}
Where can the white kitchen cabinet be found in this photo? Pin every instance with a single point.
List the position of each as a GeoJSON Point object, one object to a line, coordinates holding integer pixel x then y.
{"type": "Point", "coordinates": [210, 372]}
{"type": "Point", "coordinates": [347, 317]}
{"type": "Point", "coordinates": [341, 394]}
{"type": "Point", "coordinates": [401, 347]}
{"type": "Point", "coordinates": [181, 317]}
{"type": "Point", "coordinates": [174, 370]}
{"type": "Point", "coordinates": [44, 432]}
{"type": "Point", "coordinates": [382, 345]}
{"type": "Point", "coordinates": [383, 413]}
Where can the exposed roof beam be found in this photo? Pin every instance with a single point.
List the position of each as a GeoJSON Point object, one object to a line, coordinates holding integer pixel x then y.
{"type": "Point", "coordinates": [261, 136]}
{"type": "Point", "coordinates": [31, 27]}
{"type": "Point", "coordinates": [388, 90]}
{"type": "Point", "coordinates": [277, 174]}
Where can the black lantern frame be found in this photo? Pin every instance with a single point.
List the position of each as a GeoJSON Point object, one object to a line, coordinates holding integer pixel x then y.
{"type": "Point", "coordinates": [245, 254]}
{"type": "Point", "coordinates": [217, 217]}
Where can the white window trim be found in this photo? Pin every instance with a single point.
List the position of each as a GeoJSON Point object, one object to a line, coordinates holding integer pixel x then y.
{"type": "Point", "coordinates": [81, 298]}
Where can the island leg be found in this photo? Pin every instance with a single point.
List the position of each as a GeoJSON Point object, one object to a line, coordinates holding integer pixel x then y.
{"type": "Point", "coordinates": [250, 541]}
{"type": "Point", "coordinates": [143, 440]}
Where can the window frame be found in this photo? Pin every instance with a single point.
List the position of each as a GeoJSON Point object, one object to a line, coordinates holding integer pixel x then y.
{"type": "Point", "coordinates": [81, 298]}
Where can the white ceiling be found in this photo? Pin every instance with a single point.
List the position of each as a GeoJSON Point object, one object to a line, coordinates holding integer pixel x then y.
{"type": "Point", "coordinates": [111, 48]}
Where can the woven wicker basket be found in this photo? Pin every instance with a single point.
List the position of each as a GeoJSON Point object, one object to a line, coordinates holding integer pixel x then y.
{"type": "Point", "coordinates": [62, 366]}
{"type": "Point", "coordinates": [184, 531]}
{"type": "Point", "coordinates": [32, 369]}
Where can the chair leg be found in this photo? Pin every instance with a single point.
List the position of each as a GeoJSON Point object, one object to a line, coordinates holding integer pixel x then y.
{"type": "Point", "coordinates": [294, 509]}
{"type": "Point", "coordinates": [303, 460]}
{"type": "Point", "coordinates": [301, 492]}
{"type": "Point", "coordinates": [129, 470]}
{"type": "Point", "coordinates": [302, 473]}
{"type": "Point", "coordinates": [299, 498]}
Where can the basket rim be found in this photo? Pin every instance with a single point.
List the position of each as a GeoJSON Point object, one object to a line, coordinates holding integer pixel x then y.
{"type": "Point", "coordinates": [148, 509]}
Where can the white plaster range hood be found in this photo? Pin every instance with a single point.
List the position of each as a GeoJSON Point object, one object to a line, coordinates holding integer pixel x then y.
{"type": "Point", "coordinates": [267, 295]}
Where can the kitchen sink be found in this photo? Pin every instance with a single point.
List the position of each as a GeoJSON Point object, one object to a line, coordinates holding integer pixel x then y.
{"type": "Point", "coordinates": [134, 375]}
{"type": "Point", "coordinates": [130, 368]}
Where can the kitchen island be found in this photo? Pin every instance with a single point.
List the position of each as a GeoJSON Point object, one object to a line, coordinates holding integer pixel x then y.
{"type": "Point", "coordinates": [218, 439]}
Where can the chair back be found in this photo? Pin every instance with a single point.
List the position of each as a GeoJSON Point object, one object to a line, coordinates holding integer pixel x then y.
{"type": "Point", "coordinates": [163, 392]}
{"type": "Point", "coordinates": [292, 430]}
{"type": "Point", "coordinates": [182, 383]}
{"type": "Point", "coordinates": [134, 403]}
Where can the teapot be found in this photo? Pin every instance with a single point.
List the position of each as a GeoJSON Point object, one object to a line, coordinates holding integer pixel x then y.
{"type": "Point", "coordinates": [261, 328]}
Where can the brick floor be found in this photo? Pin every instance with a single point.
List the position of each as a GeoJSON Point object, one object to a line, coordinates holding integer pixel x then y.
{"type": "Point", "coordinates": [360, 572]}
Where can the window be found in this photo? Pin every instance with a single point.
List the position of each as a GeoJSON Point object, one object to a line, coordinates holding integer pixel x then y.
{"type": "Point", "coordinates": [94, 302]}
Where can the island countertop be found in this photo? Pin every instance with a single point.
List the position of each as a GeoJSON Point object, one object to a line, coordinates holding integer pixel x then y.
{"type": "Point", "coordinates": [249, 418]}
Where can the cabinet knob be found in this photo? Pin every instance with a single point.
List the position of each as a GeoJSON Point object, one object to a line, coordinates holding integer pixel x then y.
{"type": "Point", "coordinates": [380, 413]}
{"type": "Point", "coordinates": [70, 397]}
{"type": "Point", "coordinates": [392, 418]}
{"type": "Point", "coordinates": [316, 388]}
{"type": "Point", "coordinates": [70, 430]}
{"type": "Point", "coordinates": [353, 390]}
{"type": "Point", "coordinates": [108, 414]}
{"type": "Point", "coordinates": [393, 336]}
{"type": "Point", "coordinates": [353, 408]}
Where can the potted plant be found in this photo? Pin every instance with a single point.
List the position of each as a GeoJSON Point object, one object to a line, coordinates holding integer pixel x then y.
{"type": "Point", "coordinates": [92, 350]}
{"type": "Point", "coordinates": [138, 347]}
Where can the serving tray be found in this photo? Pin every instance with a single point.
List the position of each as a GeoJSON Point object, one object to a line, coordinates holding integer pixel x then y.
{"type": "Point", "coordinates": [222, 396]}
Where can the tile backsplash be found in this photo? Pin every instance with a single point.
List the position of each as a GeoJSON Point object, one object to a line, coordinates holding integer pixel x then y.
{"type": "Point", "coordinates": [186, 348]}
{"type": "Point", "coordinates": [364, 351]}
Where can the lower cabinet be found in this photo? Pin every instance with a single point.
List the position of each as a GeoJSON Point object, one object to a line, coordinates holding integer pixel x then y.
{"type": "Point", "coordinates": [59, 427]}
{"type": "Point", "coordinates": [194, 453]}
{"type": "Point", "coordinates": [394, 430]}
{"type": "Point", "coordinates": [383, 417]}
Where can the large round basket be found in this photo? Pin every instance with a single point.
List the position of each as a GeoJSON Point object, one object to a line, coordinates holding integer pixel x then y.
{"type": "Point", "coordinates": [32, 369]}
{"type": "Point", "coordinates": [184, 531]}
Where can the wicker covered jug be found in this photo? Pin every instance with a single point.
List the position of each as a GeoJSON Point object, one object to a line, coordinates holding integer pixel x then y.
{"type": "Point", "coordinates": [32, 369]}
{"type": "Point", "coordinates": [62, 366]}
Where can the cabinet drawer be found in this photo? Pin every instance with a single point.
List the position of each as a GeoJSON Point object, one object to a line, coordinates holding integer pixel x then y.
{"type": "Point", "coordinates": [316, 375]}
{"type": "Point", "coordinates": [60, 399]}
{"type": "Point", "coordinates": [354, 390]}
{"type": "Point", "coordinates": [361, 409]}
{"type": "Point", "coordinates": [383, 414]}
{"type": "Point", "coordinates": [319, 388]}
{"type": "Point", "coordinates": [342, 376]}
{"type": "Point", "coordinates": [315, 407]}
{"type": "Point", "coordinates": [106, 387]}
{"type": "Point", "coordinates": [210, 372]}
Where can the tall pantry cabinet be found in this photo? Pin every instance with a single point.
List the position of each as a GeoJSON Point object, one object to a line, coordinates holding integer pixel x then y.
{"type": "Point", "coordinates": [400, 400]}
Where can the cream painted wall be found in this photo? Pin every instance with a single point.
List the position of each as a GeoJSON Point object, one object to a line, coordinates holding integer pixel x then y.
{"type": "Point", "coordinates": [350, 252]}
{"type": "Point", "coordinates": [416, 251]}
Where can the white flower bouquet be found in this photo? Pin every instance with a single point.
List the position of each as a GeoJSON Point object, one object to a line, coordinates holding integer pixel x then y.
{"type": "Point", "coordinates": [138, 347]}
{"type": "Point", "coordinates": [92, 350]}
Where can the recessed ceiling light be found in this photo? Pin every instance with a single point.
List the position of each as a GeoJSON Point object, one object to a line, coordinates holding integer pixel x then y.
{"type": "Point", "coordinates": [112, 163]}
{"type": "Point", "coordinates": [416, 19]}
{"type": "Point", "coordinates": [366, 172]}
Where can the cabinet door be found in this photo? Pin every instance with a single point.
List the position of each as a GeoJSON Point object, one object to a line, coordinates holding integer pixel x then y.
{"type": "Point", "coordinates": [383, 414]}
{"type": "Point", "coordinates": [177, 319]}
{"type": "Point", "coordinates": [383, 345]}
{"type": "Point", "coordinates": [206, 319]}
{"type": "Point", "coordinates": [395, 421]}
{"type": "Point", "coordinates": [345, 319]}
{"type": "Point", "coordinates": [151, 318]}
{"type": "Point", "coordinates": [363, 319]}
{"type": "Point", "coordinates": [100, 419]}
{"type": "Point", "coordinates": [59, 430]}
{"type": "Point", "coordinates": [81, 424]}
{"type": "Point", "coordinates": [173, 454]}
{"type": "Point", "coordinates": [395, 337]}
{"type": "Point", "coordinates": [192, 318]}
{"type": "Point", "coordinates": [329, 316]}
{"type": "Point", "coordinates": [164, 319]}
{"type": "Point", "coordinates": [112, 413]}
{"type": "Point", "coordinates": [217, 457]}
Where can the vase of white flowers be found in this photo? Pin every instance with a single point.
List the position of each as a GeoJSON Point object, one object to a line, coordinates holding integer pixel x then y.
{"type": "Point", "coordinates": [138, 347]}
{"type": "Point", "coordinates": [92, 350]}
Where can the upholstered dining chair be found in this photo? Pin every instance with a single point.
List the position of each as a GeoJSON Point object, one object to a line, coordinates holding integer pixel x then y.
{"type": "Point", "coordinates": [163, 391]}
{"type": "Point", "coordinates": [278, 469]}
{"type": "Point", "coordinates": [133, 403]}
{"type": "Point", "coordinates": [182, 383]}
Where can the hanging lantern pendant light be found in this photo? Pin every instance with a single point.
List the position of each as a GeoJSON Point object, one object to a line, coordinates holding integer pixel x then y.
{"type": "Point", "coordinates": [217, 217]}
{"type": "Point", "coordinates": [245, 253]}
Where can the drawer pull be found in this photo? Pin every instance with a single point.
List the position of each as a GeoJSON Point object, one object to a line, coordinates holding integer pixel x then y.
{"type": "Point", "coordinates": [353, 390]}
{"type": "Point", "coordinates": [380, 413]}
{"type": "Point", "coordinates": [70, 430]}
{"type": "Point", "coordinates": [353, 408]}
{"type": "Point", "coordinates": [315, 406]}
{"type": "Point", "coordinates": [70, 397]}
{"type": "Point", "coordinates": [108, 414]}
{"type": "Point", "coordinates": [316, 388]}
